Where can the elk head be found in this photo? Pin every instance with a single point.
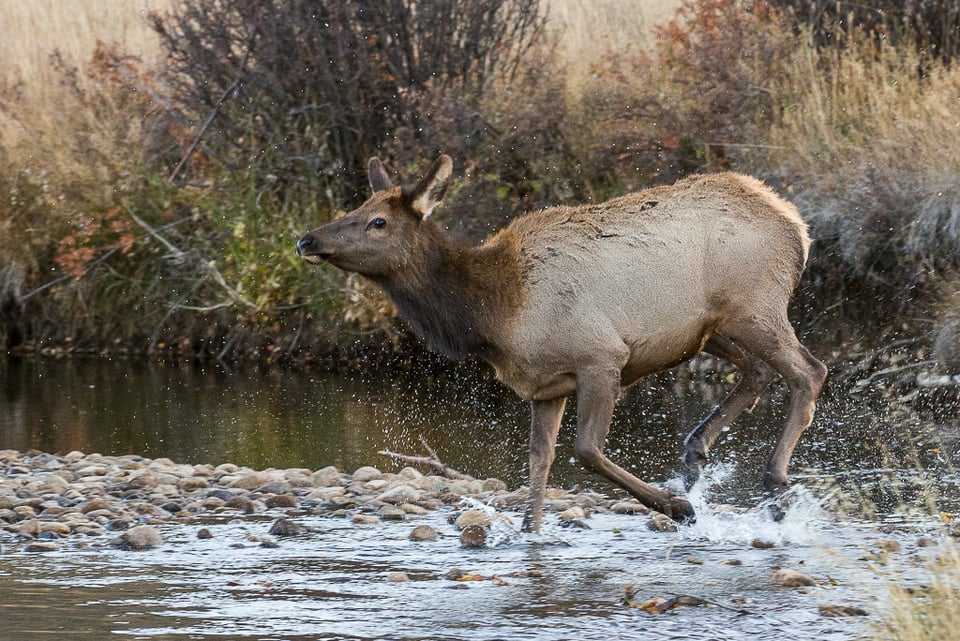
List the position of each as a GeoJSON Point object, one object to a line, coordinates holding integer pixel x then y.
{"type": "Point", "coordinates": [381, 236]}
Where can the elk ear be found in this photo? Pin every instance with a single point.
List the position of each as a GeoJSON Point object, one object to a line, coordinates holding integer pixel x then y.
{"type": "Point", "coordinates": [379, 179]}
{"type": "Point", "coordinates": [431, 189]}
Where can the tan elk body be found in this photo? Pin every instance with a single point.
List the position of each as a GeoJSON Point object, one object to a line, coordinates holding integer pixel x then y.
{"type": "Point", "coordinates": [590, 299]}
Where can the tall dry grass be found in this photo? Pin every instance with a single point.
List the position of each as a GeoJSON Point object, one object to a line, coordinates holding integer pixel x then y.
{"type": "Point", "coordinates": [930, 613]}
{"type": "Point", "coordinates": [869, 137]}
{"type": "Point", "coordinates": [589, 32]}
{"type": "Point", "coordinates": [32, 31]}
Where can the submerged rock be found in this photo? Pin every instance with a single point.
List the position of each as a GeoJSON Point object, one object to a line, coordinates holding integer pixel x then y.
{"type": "Point", "coordinates": [831, 610]}
{"type": "Point", "coordinates": [787, 578]}
{"type": "Point", "coordinates": [423, 533]}
{"type": "Point", "coordinates": [285, 527]}
{"type": "Point", "coordinates": [473, 536]}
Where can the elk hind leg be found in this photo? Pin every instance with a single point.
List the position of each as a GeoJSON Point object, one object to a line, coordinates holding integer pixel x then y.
{"type": "Point", "coordinates": [755, 376]}
{"type": "Point", "coordinates": [777, 345]}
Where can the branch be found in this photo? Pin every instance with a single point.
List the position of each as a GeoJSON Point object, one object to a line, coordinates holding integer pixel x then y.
{"type": "Point", "coordinates": [216, 108]}
{"type": "Point", "coordinates": [234, 295]}
{"type": "Point", "coordinates": [431, 461]}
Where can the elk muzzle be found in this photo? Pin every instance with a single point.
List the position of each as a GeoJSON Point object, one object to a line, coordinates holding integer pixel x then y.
{"type": "Point", "coordinates": [312, 249]}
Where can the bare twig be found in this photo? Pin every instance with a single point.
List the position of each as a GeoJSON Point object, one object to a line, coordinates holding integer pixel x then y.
{"type": "Point", "coordinates": [216, 108]}
{"type": "Point", "coordinates": [89, 266]}
{"type": "Point", "coordinates": [432, 461]}
{"type": "Point", "coordinates": [234, 295]}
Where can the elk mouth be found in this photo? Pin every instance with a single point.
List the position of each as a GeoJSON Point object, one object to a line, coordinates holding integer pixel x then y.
{"type": "Point", "coordinates": [318, 258]}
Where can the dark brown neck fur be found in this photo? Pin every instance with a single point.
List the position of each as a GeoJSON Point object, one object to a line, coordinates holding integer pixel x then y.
{"type": "Point", "coordinates": [459, 299]}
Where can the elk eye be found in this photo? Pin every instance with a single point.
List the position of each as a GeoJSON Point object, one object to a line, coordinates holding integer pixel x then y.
{"type": "Point", "coordinates": [379, 223]}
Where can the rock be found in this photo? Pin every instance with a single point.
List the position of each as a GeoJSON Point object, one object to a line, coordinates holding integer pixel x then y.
{"type": "Point", "coordinates": [281, 500]}
{"type": "Point", "coordinates": [762, 545]}
{"type": "Point", "coordinates": [365, 519]}
{"type": "Point", "coordinates": [409, 474]}
{"type": "Point", "coordinates": [473, 536]}
{"type": "Point", "coordinates": [285, 527]}
{"type": "Point", "coordinates": [204, 533]}
{"type": "Point", "coordinates": [139, 537]}
{"type": "Point", "coordinates": [41, 546]}
{"type": "Point", "coordinates": [192, 483]}
{"type": "Point", "coordinates": [392, 513]}
{"type": "Point", "coordinates": [327, 477]}
{"type": "Point", "coordinates": [399, 494]}
{"type": "Point", "coordinates": [888, 545]}
{"type": "Point", "coordinates": [398, 577]}
{"type": "Point", "coordinates": [831, 610]}
{"type": "Point", "coordinates": [661, 523]}
{"type": "Point", "coordinates": [274, 487]}
{"type": "Point", "coordinates": [692, 560]}
{"type": "Point", "coordinates": [733, 562]}
{"type": "Point", "coordinates": [574, 513]}
{"type": "Point", "coordinates": [367, 473]}
{"type": "Point", "coordinates": [240, 503]}
{"type": "Point", "coordinates": [251, 480]}
{"type": "Point", "coordinates": [415, 510]}
{"type": "Point", "coordinates": [455, 574]}
{"type": "Point", "coordinates": [472, 517]}
{"type": "Point", "coordinates": [423, 533]}
{"type": "Point", "coordinates": [787, 578]}
{"type": "Point", "coordinates": [629, 507]}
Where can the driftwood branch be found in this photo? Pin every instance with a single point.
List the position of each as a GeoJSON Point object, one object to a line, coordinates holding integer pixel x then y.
{"type": "Point", "coordinates": [432, 460]}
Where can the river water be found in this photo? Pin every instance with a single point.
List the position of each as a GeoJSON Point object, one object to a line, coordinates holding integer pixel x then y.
{"type": "Point", "coordinates": [871, 474]}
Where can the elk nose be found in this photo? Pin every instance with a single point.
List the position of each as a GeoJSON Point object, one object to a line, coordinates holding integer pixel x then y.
{"type": "Point", "coordinates": [305, 244]}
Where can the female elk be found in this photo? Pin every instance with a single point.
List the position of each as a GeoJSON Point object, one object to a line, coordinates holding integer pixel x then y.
{"type": "Point", "coordinates": [590, 299]}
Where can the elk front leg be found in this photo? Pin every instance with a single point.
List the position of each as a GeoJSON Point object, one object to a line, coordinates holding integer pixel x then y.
{"type": "Point", "coordinates": [597, 392]}
{"type": "Point", "coordinates": [545, 419]}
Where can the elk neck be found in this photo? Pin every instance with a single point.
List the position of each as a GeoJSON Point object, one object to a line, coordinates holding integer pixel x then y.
{"type": "Point", "coordinates": [459, 299]}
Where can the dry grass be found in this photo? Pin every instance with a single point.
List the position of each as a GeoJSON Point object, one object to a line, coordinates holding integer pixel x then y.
{"type": "Point", "coordinates": [31, 31]}
{"type": "Point", "coordinates": [588, 31]}
{"type": "Point", "coordinates": [929, 614]}
{"type": "Point", "coordinates": [873, 149]}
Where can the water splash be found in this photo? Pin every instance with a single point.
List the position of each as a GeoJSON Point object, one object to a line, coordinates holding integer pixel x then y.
{"type": "Point", "coordinates": [803, 521]}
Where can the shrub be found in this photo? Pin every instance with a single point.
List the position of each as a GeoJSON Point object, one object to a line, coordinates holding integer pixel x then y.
{"type": "Point", "coordinates": [304, 118]}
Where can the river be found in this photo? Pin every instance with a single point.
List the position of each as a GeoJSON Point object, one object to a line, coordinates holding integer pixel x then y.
{"type": "Point", "coordinates": [870, 472]}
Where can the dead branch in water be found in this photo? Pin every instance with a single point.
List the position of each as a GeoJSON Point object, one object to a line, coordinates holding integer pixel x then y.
{"type": "Point", "coordinates": [432, 460]}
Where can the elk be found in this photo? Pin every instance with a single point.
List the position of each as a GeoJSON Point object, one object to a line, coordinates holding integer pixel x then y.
{"type": "Point", "coordinates": [592, 298]}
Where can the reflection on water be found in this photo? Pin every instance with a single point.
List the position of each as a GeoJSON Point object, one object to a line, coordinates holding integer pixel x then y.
{"type": "Point", "coordinates": [565, 584]}
{"type": "Point", "coordinates": [282, 418]}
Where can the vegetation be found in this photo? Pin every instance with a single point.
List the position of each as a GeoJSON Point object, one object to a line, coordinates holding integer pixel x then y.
{"type": "Point", "coordinates": [151, 196]}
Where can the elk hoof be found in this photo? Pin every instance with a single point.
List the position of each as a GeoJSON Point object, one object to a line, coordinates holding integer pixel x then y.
{"type": "Point", "coordinates": [776, 484]}
{"type": "Point", "coordinates": [694, 459]}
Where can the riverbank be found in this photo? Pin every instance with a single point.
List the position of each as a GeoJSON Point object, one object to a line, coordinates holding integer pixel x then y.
{"type": "Point", "coordinates": [75, 501]}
